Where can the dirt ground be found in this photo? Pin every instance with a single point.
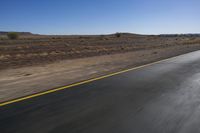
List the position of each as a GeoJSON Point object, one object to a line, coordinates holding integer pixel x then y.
{"type": "Point", "coordinates": [37, 50]}
{"type": "Point", "coordinates": [19, 79]}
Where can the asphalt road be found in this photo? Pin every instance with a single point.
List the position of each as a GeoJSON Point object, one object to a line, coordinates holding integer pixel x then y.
{"type": "Point", "coordinates": [161, 98]}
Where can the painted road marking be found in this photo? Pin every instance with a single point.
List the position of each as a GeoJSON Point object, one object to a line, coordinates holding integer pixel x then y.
{"type": "Point", "coordinates": [80, 83]}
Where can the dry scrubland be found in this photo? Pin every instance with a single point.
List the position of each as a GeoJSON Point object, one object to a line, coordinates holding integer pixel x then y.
{"type": "Point", "coordinates": [33, 50]}
{"type": "Point", "coordinates": [33, 63]}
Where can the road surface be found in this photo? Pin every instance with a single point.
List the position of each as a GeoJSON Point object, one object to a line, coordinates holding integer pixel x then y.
{"type": "Point", "coordinates": [160, 98]}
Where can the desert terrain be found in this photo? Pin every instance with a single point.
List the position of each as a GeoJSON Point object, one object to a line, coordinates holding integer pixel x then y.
{"type": "Point", "coordinates": [35, 63]}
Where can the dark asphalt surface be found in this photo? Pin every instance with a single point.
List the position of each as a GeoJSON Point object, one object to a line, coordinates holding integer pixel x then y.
{"type": "Point", "coordinates": [161, 98]}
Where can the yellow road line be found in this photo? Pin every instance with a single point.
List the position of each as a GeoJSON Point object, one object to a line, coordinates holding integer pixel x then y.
{"type": "Point", "coordinates": [79, 83]}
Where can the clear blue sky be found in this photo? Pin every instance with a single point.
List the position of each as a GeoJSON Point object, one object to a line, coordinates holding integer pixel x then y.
{"type": "Point", "coordinates": [100, 16]}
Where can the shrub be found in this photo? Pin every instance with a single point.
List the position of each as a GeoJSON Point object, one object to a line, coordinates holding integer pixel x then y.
{"type": "Point", "coordinates": [118, 35]}
{"type": "Point", "coordinates": [13, 35]}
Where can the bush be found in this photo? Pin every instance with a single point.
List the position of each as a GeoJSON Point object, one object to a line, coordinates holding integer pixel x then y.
{"type": "Point", "coordinates": [118, 35]}
{"type": "Point", "coordinates": [13, 35]}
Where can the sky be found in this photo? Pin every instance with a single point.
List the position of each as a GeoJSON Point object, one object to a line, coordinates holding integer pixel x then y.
{"type": "Point", "coordinates": [100, 16]}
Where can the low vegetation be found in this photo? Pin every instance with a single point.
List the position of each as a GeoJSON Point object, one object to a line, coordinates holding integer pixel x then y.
{"type": "Point", "coordinates": [13, 35]}
{"type": "Point", "coordinates": [32, 49]}
{"type": "Point", "coordinates": [118, 35]}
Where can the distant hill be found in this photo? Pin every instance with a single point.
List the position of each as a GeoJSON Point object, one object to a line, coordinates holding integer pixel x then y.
{"type": "Point", "coordinates": [20, 33]}
{"type": "Point", "coordinates": [179, 35]}
{"type": "Point", "coordinates": [121, 33]}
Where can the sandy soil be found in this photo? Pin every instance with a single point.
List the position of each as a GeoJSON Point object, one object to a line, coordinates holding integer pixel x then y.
{"type": "Point", "coordinates": [27, 80]}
